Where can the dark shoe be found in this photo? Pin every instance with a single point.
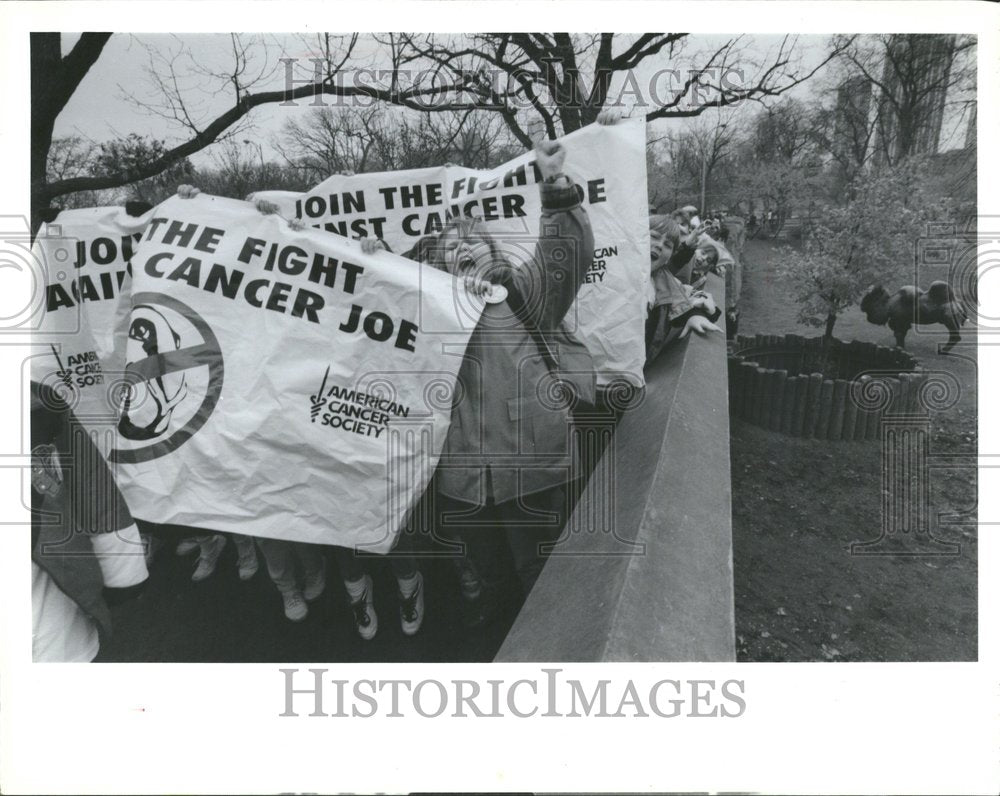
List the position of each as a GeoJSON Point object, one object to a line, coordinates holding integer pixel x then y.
{"type": "Point", "coordinates": [363, 608]}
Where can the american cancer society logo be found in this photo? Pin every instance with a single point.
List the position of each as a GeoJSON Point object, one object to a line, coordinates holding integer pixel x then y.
{"type": "Point", "coordinates": [351, 410]}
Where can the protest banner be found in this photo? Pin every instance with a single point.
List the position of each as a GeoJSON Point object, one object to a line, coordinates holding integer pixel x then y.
{"type": "Point", "coordinates": [608, 163]}
{"type": "Point", "coordinates": [78, 351]}
{"type": "Point", "coordinates": [286, 385]}
{"type": "Point", "coordinates": [83, 257]}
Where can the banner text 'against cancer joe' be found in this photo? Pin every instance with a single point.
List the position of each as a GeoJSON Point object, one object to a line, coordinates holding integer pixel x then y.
{"type": "Point", "coordinates": [433, 203]}
{"type": "Point", "coordinates": [608, 164]}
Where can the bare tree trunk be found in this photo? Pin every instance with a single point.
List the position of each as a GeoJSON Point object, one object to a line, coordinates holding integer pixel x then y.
{"type": "Point", "coordinates": [831, 319]}
{"type": "Point", "coordinates": [45, 60]}
{"type": "Point", "coordinates": [54, 78]}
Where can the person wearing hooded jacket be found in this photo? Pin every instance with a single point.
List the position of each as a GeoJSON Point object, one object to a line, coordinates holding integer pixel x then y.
{"type": "Point", "coordinates": [501, 477]}
{"type": "Point", "coordinates": [508, 448]}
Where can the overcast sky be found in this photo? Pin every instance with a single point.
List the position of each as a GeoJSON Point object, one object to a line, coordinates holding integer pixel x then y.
{"type": "Point", "coordinates": [100, 110]}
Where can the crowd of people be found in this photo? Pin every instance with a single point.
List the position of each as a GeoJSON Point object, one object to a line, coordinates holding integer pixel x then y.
{"type": "Point", "coordinates": [503, 517]}
{"type": "Point", "coordinates": [768, 221]}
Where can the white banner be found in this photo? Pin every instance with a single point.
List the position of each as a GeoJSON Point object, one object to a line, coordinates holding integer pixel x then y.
{"type": "Point", "coordinates": [287, 385]}
{"type": "Point", "coordinates": [83, 256]}
{"type": "Point", "coordinates": [609, 165]}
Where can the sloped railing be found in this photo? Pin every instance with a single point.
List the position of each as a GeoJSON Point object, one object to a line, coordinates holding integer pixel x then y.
{"type": "Point", "coordinates": [644, 570]}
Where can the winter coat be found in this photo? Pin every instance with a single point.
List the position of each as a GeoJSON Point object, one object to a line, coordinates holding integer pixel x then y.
{"type": "Point", "coordinates": [727, 267]}
{"type": "Point", "coordinates": [87, 503]}
{"type": "Point", "coordinates": [509, 434]}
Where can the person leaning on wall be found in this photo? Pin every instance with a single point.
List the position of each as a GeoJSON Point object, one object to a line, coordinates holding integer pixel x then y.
{"type": "Point", "coordinates": [676, 309]}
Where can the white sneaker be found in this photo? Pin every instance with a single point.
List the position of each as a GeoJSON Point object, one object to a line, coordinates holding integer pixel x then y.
{"type": "Point", "coordinates": [363, 608]}
{"type": "Point", "coordinates": [186, 546]}
{"type": "Point", "coordinates": [411, 608]}
{"type": "Point", "coordinates": [314, 584]}
{"type": "Point", "coordinates": [295, 607]}
{"type": "Point", "coordinates": [210, 552]}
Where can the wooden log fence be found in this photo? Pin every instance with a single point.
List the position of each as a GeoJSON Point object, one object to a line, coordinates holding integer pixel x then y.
{"type": "Point", "coordinates": [808, 387]}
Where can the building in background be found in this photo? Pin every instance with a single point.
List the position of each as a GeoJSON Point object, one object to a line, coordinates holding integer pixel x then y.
{"type": "Point", "coordinates": [910, 99]}
{"type": "Point", "coordinates": [970, 128]}
{"type": "Point", "coordinates": [853, 120]}
{"type": "Point", "coordinates": [916, 77]}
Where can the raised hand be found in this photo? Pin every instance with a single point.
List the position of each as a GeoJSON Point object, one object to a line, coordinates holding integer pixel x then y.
{"type": "Point", "coordinates": [266, 207]}
{"type": "Point", "coordinates": [550, 157]}
{"type": "Point", "coordinates": [476, 286]}
{"type": "Point", "coordinates": [372, 245]}
{"type": "Point", "coordinates": [706, 302]}
{"type": "Point", "coordinates": [608, 117]}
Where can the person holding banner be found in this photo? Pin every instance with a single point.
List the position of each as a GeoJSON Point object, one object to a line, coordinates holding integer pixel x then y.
{"type": "Point", "coordinates": [507, 456]}
{"type": "Point", "coordinates": [210, 547]}
{"type": "Point", "coordinates": [284, 558]}
{"type": "Point", "coordinates": [360, 590]}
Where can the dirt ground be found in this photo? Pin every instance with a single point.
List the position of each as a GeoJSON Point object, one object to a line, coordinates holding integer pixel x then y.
{"type": "Point", "coordinates": [799, 504]}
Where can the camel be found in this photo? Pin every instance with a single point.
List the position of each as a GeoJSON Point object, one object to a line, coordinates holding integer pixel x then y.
{"type": "Point", "coordinates": [910, 305]}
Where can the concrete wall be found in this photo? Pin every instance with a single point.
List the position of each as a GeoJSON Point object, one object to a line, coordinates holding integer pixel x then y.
{"type": "Point", "coordinates": [644, 571]}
